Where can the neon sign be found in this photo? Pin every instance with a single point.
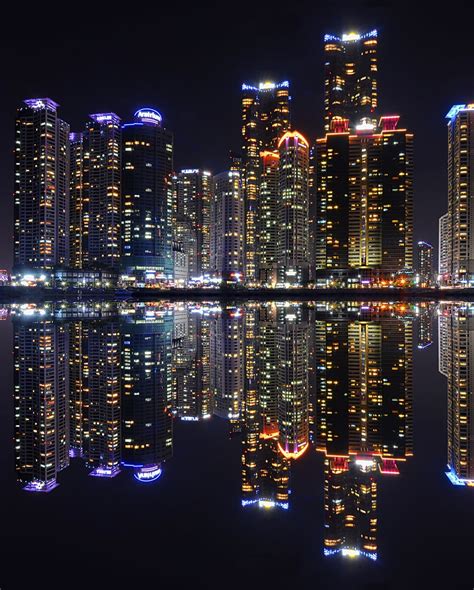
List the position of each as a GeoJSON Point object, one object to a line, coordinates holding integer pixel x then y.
{"type": "Point", "coordinates": [147, 115]}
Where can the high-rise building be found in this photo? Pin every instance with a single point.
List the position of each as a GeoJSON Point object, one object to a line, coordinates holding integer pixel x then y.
{"type": "Point", "coordinates": [41, 225]}
{"type": "Point", "coordinates": [444, 248]}
{"type": "Point", "coordinates": [41, 392]}
{"type": "Point", "coordinates": [79, 215]}
{"type": "Point", "coordinates": [265, 117]}
{"type": "Point", "coordinates": [227, 227]}
{"type": "Point", "coordinates": [268, 218]}
{"type": "Point", "coordinates": [293, 205]}
{"type": "Point", "coordinates": [147, 199]}
{"type": "Point", "coordinates": [460, 188]}
{"type": "Point", "coordinates": [350, 78]}
{"type": "Point", "coordinates": [104, 136]}
{"type": "Point", "coordinates": [193, 188]}
{"type": "Point", "coordinates": [425, 263]}
{"type": "Point", "coordinates": [364, 199]}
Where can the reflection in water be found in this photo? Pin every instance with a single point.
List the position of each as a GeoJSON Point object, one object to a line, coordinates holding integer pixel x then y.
{"type": "Point", "coordinates": [364, 417]}
{"type": "Point", "coordinates": [102, 383]}
{"type": "Point", "coordinates": [456, 347]}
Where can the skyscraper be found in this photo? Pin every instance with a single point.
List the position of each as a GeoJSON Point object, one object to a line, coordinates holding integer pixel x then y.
{"type": "Point", "coordinates": [193, 202]}
{"type": "Point", "coordinates": [444, 248]}
{"type": "Point", "coordinates": [460, 188]}
{"type": "Point", "coordinates": [79, 218]}
{"type": "Point", "coordinates": [293, 205]}
{"type": "Point", "coordinates": [265, 117]}
{"type": "Point", "coordinates": [41, 225]}
{"type": "Point", "coordinates": [147, 205]}
{"type": "Point", "coordinates": [350, 78]}
{"type": "Point", "coordinates": [227, 227]}
{"type": "Point", "coordinates": [425, 263]}
{"type": "Point", "coordinates": [104, 138]}
{"type": "Point", "coordinates": [268, 219]}
{"type": "Point", "coordinates": [364, 202]}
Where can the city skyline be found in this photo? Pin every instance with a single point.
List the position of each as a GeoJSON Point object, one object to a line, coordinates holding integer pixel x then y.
{"type": "Point", "coordinates": [306, 108]}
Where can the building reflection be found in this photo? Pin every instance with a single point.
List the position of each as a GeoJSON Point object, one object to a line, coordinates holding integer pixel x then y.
{"type": "Point", "coordinates": [456, 350]}
{"type": "Point", "coordinates": [364, 417]}
{"type": "Point", "coordinates": [147, 424]}
{"type": "Point", "coordinates": [40, 402]}
{"type": "Point", "coordinates": [103, 384]}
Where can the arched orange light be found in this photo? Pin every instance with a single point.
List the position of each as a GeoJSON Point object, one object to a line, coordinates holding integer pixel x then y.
{"type": "Point", "coordinates": [289, 455]}
{"type": "Point", "coordinates": [295, 134]}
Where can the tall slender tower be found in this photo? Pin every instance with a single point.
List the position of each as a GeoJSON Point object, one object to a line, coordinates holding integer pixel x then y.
{"type": "Point", "coordinates": [460, 194]}
{"type": "Point", "coordinates": [350, 78]}
{"type": "Point", "coordinates": [147, 166]}
{"type": "Point", "coordinates": [293, 193]}
{"type": "Point", "coordinates": [194, 193]}
{"type": "Point", "coordinates": [96, 215]}
{"type": "Point", "coordinates": [41, 226]}
{"type": "Point", "coordinates": [79, 201]}
{"type": "Point", "coordinates": [227, 227]}
{"type": "Point", "coordinates": [268, 218]}
{"type": "Point", "coordinates": [265, 117]}
{"type": "Point", "coordinates": [444, 251]}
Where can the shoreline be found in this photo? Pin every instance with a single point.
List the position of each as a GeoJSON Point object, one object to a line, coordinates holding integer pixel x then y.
{"type": "Point", "coordinates": [33, 294]}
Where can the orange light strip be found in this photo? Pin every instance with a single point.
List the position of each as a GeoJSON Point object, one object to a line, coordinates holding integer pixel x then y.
{"type": "Point", "coordinates": [295, 134]}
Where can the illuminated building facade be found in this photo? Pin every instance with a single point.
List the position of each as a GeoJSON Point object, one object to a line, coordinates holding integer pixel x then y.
{"type": "Point", "coordinates": [147, 199]}
{"type": "Point", "coordinates": [268, 218]}
{"type": "Point", "coordinates": [147, 423]}
{"type": "Point", "coordinates": [41, 226]}
{"type": "Point", "coordinates": [350, 78]}
{"type": "Point", "coordinates": [104, 146]}
{"type": "Point", "coordinates": [79, 215]}
{"type": "Point", "coordinates": [293, 205]}
{"type": "Point", "coordinates": [425, 263]}
{"type": "Point", "coordinates": [460, 189]}
{"type": "Point", "coordinates": [364, 221]}
{"type": "Point", "coordinates": [227, 227]}
{"type": "Point", "coordinates": [456, 349]}
{"type": "Point", "coordinates": [41, 392]}
{"type": "Point", "coordinates": [194, 195]}
{"type": "Point", "coordinates": [265, 117]}
{"type": "Point", "coordinates": [444, 251]}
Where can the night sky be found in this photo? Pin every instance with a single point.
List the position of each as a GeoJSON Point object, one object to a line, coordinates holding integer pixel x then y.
{"type": "Point", "coordinates": [189, 61]}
